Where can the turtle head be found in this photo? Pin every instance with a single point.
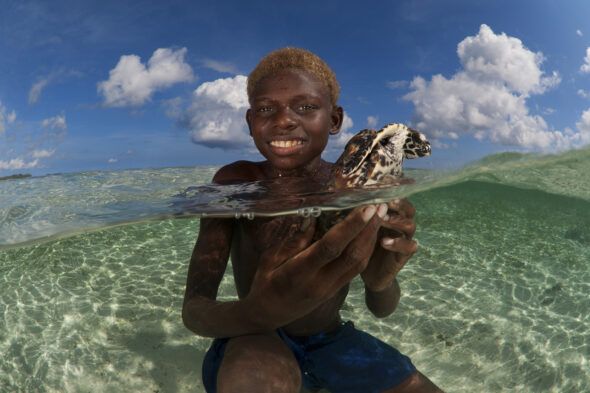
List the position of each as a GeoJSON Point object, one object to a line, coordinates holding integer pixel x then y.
{"type": "Point", "coordinates": [415, 145]}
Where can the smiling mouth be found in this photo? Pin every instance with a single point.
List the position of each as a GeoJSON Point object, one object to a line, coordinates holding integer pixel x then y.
{"type": "Point", "coordinates": [286, 144]}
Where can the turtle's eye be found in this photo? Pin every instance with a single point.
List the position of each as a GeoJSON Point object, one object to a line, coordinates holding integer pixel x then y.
{"type": "Point", "coordinates": [384, 142]}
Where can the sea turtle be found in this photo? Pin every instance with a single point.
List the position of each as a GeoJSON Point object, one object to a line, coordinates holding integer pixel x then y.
{"type": "Point", "coordinates": [373, 158]}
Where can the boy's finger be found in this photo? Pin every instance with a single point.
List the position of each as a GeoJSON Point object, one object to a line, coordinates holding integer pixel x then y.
{"type": "Point", "coordinates": [402, 207]}
{"type": "Point", "coordinates": [405, 226]}
{"type": "Point", "coordinates": [400, 245]}
{"type": "Point", "coordinates": [333, 243]}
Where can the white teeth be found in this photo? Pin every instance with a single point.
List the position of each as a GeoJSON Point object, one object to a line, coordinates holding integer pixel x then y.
{"type": "Point", "coordinates": [286, 143]}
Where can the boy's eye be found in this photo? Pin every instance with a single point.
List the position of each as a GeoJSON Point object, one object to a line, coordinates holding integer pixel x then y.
{"type": "Point", "coordinates": [264, 109]}
{"type": "Point", "coordinates": [307, 107]}
{"type": "Point", "coordinates": [299, 108]}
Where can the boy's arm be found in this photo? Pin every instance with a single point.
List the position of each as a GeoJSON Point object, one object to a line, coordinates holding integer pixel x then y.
{"type": "Point", "coordinates": [395, 247]}
{"type": "Point", "coordinates": [384, 302]}
{"type": "Point", "coordinates": [201, 312]}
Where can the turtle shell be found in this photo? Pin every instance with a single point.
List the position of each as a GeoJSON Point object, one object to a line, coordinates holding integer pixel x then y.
{"type": "Point", "coordinates": [356, 151]}
{"type": "Point", "coordinates": [373, 157]}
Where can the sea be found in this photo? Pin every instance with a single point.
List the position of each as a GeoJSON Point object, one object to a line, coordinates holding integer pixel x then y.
{"type": "Point", "coordinates": [93, 267]}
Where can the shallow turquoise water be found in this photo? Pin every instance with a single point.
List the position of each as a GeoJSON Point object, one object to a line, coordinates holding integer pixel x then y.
{"type": "Point", "coordinates": [495, 300]}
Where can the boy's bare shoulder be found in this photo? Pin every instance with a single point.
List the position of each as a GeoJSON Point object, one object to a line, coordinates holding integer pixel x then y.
{"type": "Point", "coordinates": [239, 172]}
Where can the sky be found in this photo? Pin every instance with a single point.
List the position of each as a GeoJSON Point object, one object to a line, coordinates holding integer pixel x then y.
{"type": "Point", "coordinates": [111, 85]}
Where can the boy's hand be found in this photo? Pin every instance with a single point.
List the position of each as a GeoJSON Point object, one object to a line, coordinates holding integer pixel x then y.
{"type": "Point", "coordinates": [396, 246]}
{"type": "Point", "coordinates": [295, 276]}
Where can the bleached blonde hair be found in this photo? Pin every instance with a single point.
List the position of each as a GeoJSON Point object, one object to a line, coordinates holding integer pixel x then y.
{"type": "Point", "coordinates": [294, 58]}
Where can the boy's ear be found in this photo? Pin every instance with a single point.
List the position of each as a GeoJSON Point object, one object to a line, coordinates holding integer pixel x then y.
{"type": "Point", "coordinates": [337, 119]}
{"type": "Point", "coordinates": [249, 120]}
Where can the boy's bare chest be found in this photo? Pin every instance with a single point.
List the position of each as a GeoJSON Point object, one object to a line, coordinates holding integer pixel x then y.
{"type": "Point", "coordinates": [252, 238]}
{"type": "Point", "coordinates": [272, 232]}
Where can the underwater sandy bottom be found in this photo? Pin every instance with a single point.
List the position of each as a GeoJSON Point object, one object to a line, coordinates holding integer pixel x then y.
{"type": "Point", "coordinates": [496, 300]}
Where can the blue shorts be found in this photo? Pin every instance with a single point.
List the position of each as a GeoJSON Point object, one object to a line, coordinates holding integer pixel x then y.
{"type": "Point", "coordinates": [345, 360]}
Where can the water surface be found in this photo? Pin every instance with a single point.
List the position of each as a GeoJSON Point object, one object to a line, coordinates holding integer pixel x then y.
{"type": "Point", "coordinates": [92, 271]}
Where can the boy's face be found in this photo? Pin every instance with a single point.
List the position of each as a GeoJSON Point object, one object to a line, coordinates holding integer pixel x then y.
{"type": "Point", "coordinates": [290, 118]}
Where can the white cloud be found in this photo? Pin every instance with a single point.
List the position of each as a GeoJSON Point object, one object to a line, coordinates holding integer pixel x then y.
{"type": "Point", "coordinates": [579, 33]}
{"type": "Point", "coordinates": [487, 97]}
{"type": "Point", "coordinates": [131, 83]}
{"type": "Point", "coordinates": [583, 126]}
{"type": "Point", "coordinates": [42, 153]}
{"type": "Point", "coordinates": [372, 121]}
{"type": "Point", "coordinates": [36, 90]}
{"type": "Point", "coordinates": [31, 146]}
{"type": "Point", "coordinates": [220, 66]}
{"type": "Point", "coordinates": [397, 84]}
{"type": "Point", "coordinates": [438, 144]}
{"type": "Point", "coordinates": [583, 93]}
{"type": "Point", "coordinates": [112, 160]}
{"type": "Point", "coordinates": [6, 117]}
{"type": "Point", "coordinates": [55, 123]}
{"type": "Point", "coordinates": [44, 81]}
{"type": "Point", "coordinates": [498, 58]}
{"type": "Point", "coordinates": [585, 68]}
{"type": "Point", "coordinates": [347, 123]}
{"type": "Point", "coordinates": [216, 115]}
{"type": "Point", "coordinates": [18, 163]}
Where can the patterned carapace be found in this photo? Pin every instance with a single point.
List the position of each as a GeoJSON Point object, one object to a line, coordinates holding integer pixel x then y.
{"type": "Point", "coordinates": [373, 158]}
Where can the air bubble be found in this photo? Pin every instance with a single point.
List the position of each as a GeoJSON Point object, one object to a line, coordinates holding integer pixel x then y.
{"type": "Point", "coordinates": [315, 211]}
{"type": "Point", "coordinates": [249, 216]}
{"type": "Point", "coordinates": [305, 212]}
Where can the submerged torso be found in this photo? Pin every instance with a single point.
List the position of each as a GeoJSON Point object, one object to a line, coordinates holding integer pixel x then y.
{"type": "Point", "coordinates": [252, 237]}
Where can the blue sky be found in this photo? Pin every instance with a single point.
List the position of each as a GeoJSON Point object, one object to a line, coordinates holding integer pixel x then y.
{"type": "Point", "coordinates": [86, 86]}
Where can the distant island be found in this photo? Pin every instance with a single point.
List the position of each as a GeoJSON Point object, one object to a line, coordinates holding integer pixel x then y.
{"type": "Point", "coordinates": [15, 176]}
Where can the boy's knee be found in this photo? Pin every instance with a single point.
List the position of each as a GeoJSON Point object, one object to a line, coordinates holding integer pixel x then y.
{"type": "Point", "coordinates": [258, 364]}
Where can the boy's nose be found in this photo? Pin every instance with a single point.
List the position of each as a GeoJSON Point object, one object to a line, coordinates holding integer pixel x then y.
{"type": "Point", "coordinates": [285, 118]}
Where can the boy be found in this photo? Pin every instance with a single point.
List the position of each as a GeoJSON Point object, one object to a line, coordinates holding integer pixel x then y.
{"type": "Point", "coordinates": [285, 330]}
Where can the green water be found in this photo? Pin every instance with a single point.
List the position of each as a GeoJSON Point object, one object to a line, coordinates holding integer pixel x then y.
{"type": "Point", "coordinates": [496, 300]}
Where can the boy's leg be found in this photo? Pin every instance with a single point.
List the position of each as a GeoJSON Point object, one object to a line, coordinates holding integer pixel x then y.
{"type": "Point", "coordinates": [351, 360]}
{"type": "Point", "coordinates": [258, 364]}
{"type": "Point", "coordinates": [416, 383]}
